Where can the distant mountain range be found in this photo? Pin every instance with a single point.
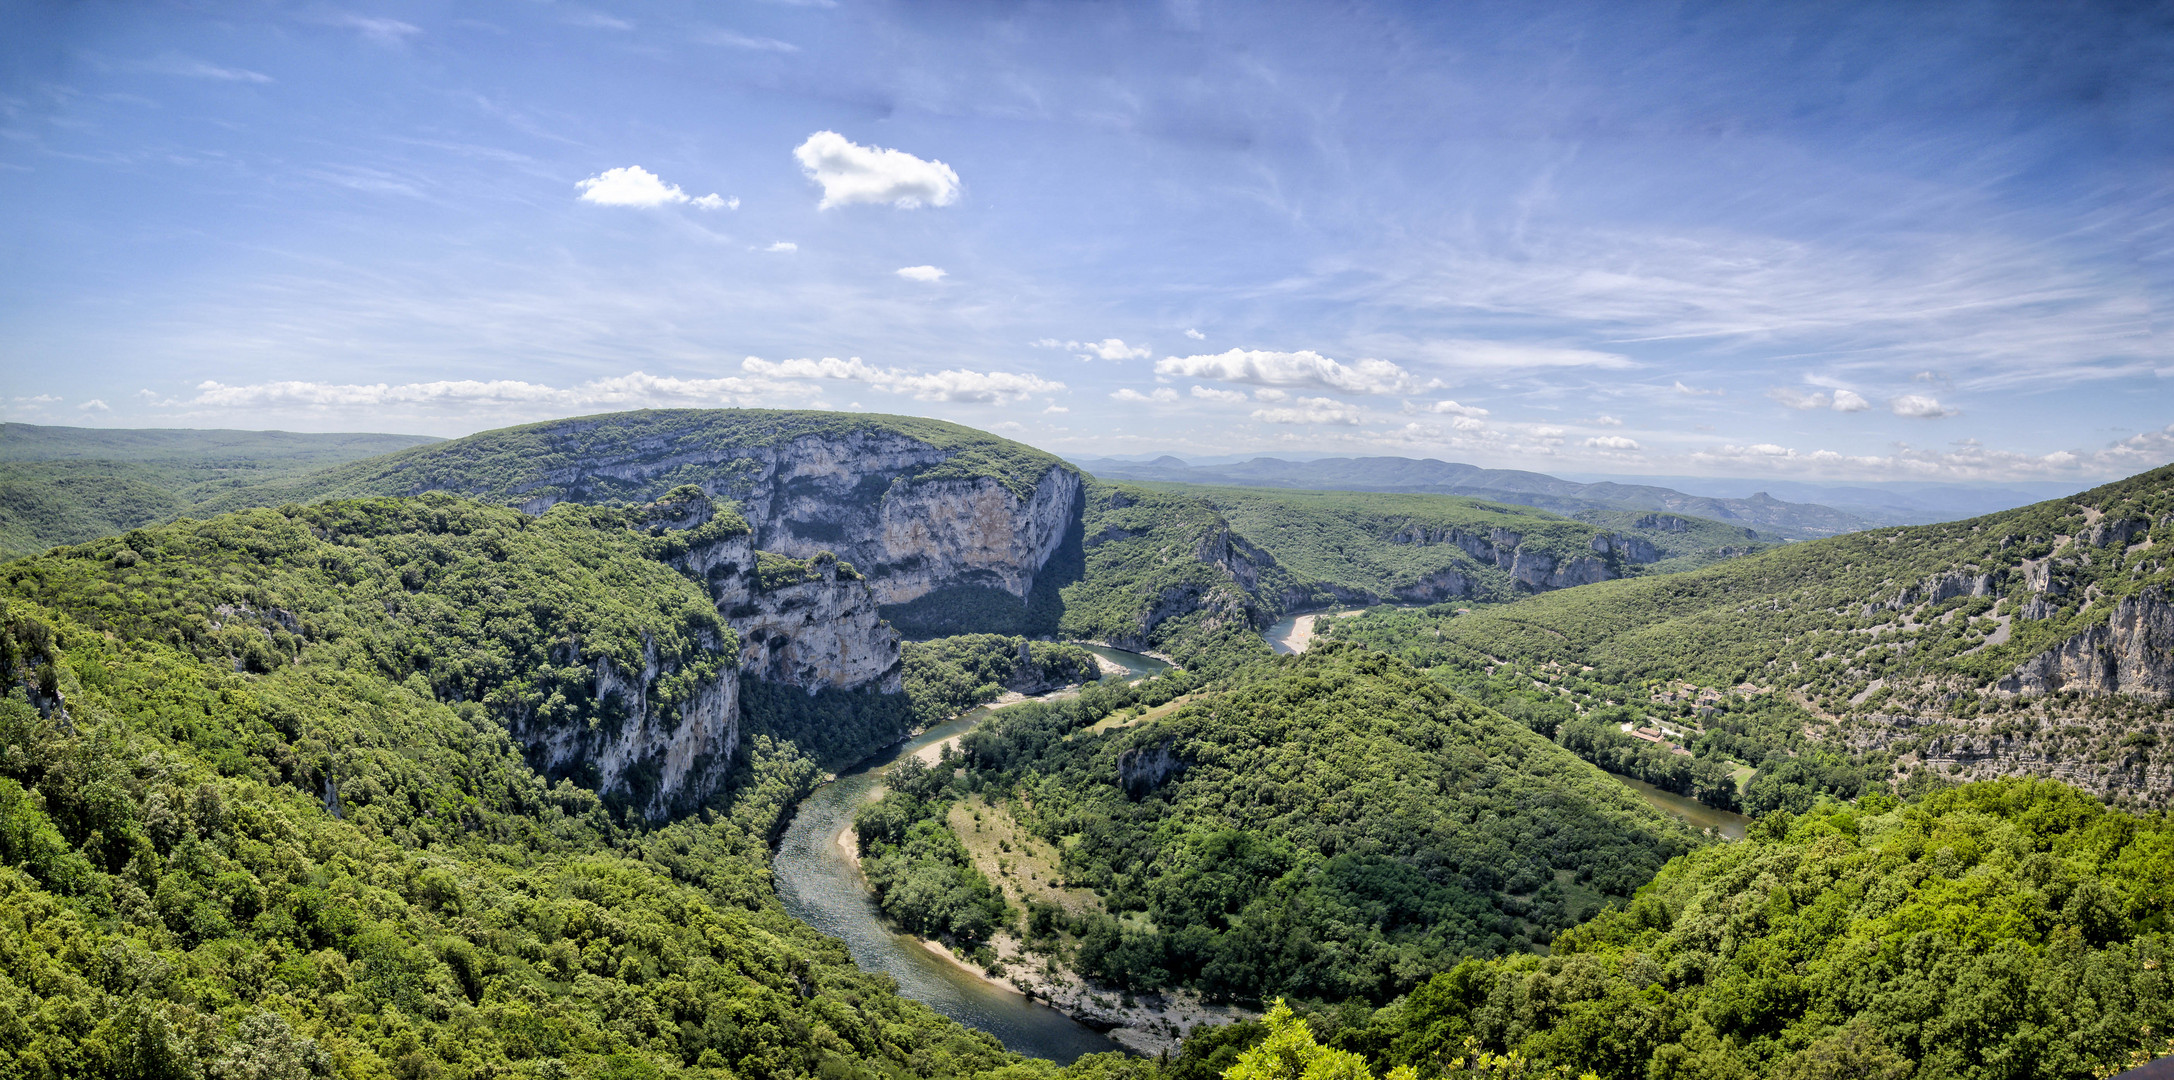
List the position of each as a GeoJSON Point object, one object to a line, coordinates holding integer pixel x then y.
{"type": "Point", "coordinates": [1761, 511]}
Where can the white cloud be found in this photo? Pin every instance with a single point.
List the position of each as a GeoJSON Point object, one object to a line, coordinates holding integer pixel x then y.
{"type": "Point", "coordinates": [982, 387]}
{"type": "Point", "coordinates": [637, 388]}
{"type": "Point", "coordinates": [633, 185]}
{"type": "Point", "coordinates": [850, 173]}
{"type": "Point", "coordinates": [1056, 409]}
{"type": "Point", "coordinates": [712, 202]}
{"type": "Point", "coordinates": [381, 31]}
{"type": "Point", "coordinates": [197, 69]}
{"type": "Point", "coordinates": [1113, 349]}
{"type": "Point", "coordinates": [1839, 401]}
{"type": "Point", "coordinates": [829, 367]}
{"type": "Point", "coordinates": [94, 405]}
{"type": "Point", "coordinates": [1302, 368]}
{"type": "Point", "coordinates": [1694, 392]}
{"type": "Point", "coordinates": [1453, 408]}
{"type": "Point", "coordinates": [719, 36]}
{"type": "Point", "coordinates": [1312, 410]}
{"type": "Point", "coordinates": [1605, 420]}
{"type": "Point", "coordinates": [1612, 442]}
{"type": "Point", "coordinates": [1468, 423]}
{"type": "Point", "coordinates": [924, 274]}
{"type": "Point", "coordinates": [1267, 394]}
{"type": "Point", "coordinates": [1493, 356]}
{"type": "Point", "coordinates": [1920, 405]}
{"type": "Point", "coordinates": [762, 381]}
{"type": "Point", "coordinates": [1229, 396]}
{"type": "Point", "coordinates": [1990, 308]}
{"type": "Point", "coordinates": [40, 399]}
{"type": "Point", "coordinates": [1105, 349]}
{"type": "Point", "coordinates": [1162, 394]}
{"type": "Point", "coordinates": [598, 20]}
{"type": "Point", "coordinates": [1196, 335]}
{"type": "Point", "coordinates": [978, 387]}
{"type": "Point", "coordinates": [783, 245]}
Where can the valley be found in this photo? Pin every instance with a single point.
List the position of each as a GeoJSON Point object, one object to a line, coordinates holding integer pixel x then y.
{"type": "Point", "coordinates": [539, 746]}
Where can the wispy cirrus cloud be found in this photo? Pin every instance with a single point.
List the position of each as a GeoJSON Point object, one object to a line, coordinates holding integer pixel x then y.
{"type": "Point", "coordinates": [734, 39]}
{"type": "Point", "coordinates": [381, 31]}
{"type": "Point", "coordinates": [1312, 410]}
{"type": "Point", "coordinates": [186, 67]}
{"type": "Point", "coordinates": [1995, 310]}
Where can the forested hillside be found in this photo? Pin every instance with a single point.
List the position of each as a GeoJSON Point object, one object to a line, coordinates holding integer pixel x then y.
{"type": "Point", "coordinates": [62, 485]}
{"type": "Point", "coordinates": [1194, 570]}
{"type": "Point", "coordinates": [2013, 929]}
{"type": "Point", "coordinates": [260, 809]}
{"type": "Point", "coordinates": [1328, 826]}
{"type": "Point", "coordinates": [2031, 641]}
{"type": "Point", "coordinates": [1778, 519]}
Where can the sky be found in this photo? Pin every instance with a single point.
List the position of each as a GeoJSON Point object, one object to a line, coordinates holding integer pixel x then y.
{"type": "Point", "coordinates": [1822, 241]}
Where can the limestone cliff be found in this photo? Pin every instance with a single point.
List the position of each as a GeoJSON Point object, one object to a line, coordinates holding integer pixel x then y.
{"type": "Point", "coordinates": [916, 505]}
{"type": "Point", "coordinates": [810, 623]}
{"type": "Point", "coordinates": [2132, 652]}
{"type": "Point", "coordinates": [661, 757]}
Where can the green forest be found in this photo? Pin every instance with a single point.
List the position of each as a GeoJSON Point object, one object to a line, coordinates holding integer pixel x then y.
{"type": "Point", "coordinates": [1330, 826]}
{"type": "Point", "coordinates": [273, 801]}
{"type": "Point", "coordinates": [61, 485]}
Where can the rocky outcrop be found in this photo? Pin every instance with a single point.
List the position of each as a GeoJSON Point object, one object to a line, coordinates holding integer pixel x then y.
{"type": "Point", "coordinates": [1142, 769]}
{"type": "Point", "coordinates": [817, 628]}
{"type": "Point", "coordinates": [1437, 586]}
{"type": "Point", "coordinates": [1537, 570]}
{"type": "Point", "coordinates": [876, 498]}
{"type": "Point", "coordinates": [2131, 653]}
{"type": "Point", "coordinates": [658, 756]}
{"type": "Point", "coordinates": [1543, 571]}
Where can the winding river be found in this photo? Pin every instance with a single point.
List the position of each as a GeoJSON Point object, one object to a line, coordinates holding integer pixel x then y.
{"type": "Point", "coordinates": [820, 885]}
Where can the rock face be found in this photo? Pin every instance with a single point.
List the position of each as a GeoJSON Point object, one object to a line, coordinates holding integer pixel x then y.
{"type": "Point", "coordinates": [861, 494]}
{"type": "Point", "coordinates": [661, 756]}
{"type": "Point", "coordinates": [1537, 570]}
{"type": "Point", "coordinates": [809, 623]}
{"type": "Point", "coordinates": [1143, 769]}
{"type": "Point", "coordinates": [2131, 653]}
{"type": "Point", "coordinates": [817, 628]}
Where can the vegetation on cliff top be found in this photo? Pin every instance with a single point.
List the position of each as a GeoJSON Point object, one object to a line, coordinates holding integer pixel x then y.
{"type": "Point", "coordinates": [545, 460]}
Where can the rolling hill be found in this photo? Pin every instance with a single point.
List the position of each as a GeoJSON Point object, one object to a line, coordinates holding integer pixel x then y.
{"type": "Point", "coordinates": [2035, 641]}
{"type": "Point", "coordinates": [62, 485]}
{"type": "Point", "coordinates": [1776, 519]}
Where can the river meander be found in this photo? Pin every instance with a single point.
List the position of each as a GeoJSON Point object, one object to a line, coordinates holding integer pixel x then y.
{"type": "Point", "coordinates": [821, 886]}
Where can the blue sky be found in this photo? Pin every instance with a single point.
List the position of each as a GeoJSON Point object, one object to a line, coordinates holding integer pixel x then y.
{"type": "Point", "coordinates": [1884, 241]}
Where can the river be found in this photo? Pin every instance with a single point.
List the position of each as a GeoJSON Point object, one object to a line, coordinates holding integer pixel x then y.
{"type": "Point", "coordinates": [1690, 811]}
{"type": "Point", "coordinates": [821, 886]}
